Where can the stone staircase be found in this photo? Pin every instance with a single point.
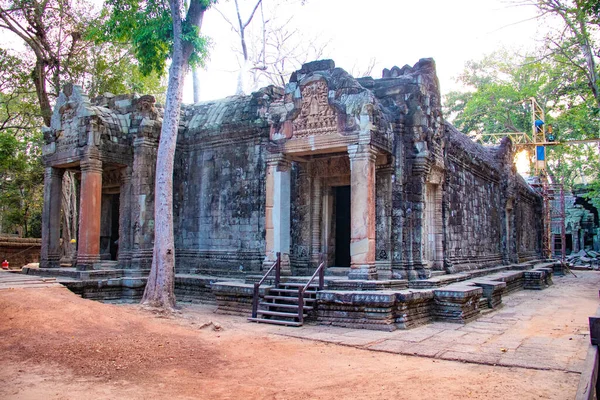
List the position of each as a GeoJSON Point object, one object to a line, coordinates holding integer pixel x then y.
{"type": "Point", "coordinates": [280, 304]}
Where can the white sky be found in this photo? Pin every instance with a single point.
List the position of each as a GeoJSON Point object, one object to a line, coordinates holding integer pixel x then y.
{"type": "Point", "coordinates": [394, 32]}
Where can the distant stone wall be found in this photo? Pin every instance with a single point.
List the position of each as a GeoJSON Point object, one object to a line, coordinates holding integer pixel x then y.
{"type": "Point", "coordinates": [19, 251]}
{"type": "Point", "coordinates": [528, 223]}
{"type": "Point", "coordinates": [474, 203]}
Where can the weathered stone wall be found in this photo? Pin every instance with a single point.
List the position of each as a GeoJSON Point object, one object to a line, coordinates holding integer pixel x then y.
{"type": "Point", "coordinates": [219, 185]}
{"type": "Point", "coordinates": [474, 203]}
{"type": "Point", "coordinates": [492, 216]}
{"type": "Point", "coordinates": [19, 251]}
{"type": "Point", "coordinates": [528, 223]}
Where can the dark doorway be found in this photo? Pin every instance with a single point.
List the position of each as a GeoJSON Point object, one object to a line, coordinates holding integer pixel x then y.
{"type": "Point", "coordinates": [342, 226]}
{"type": "Point", "coordinates": [569, 244]}
{"type": "Point", "coordinates": [114, 227]}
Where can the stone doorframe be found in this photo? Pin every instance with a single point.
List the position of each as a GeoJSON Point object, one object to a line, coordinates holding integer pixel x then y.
{"type": "Point", "coordinates": [90, 195]}
{"type": "Point", "coordinates": [362, 220]}
{"type": "Point", "coordinates": [433, 229]}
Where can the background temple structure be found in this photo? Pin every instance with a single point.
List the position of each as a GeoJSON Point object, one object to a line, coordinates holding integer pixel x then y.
{"type": "Point", "coordinates": [365, 171]}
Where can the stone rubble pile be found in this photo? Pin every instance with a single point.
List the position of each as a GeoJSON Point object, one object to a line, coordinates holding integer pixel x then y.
{"type": "Point", "coordinates": [584, 259]}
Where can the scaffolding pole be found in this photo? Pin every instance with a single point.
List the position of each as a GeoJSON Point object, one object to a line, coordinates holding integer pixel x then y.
{"type": "Point", "coordinates": [554, 232]}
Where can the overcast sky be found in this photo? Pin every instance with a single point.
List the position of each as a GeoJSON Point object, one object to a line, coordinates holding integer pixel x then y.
{"type": "Point", "coordinates": [393, 32]}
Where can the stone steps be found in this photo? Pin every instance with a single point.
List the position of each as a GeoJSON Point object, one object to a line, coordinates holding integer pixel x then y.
{"type": "Point", "coordinates": [280, 305]}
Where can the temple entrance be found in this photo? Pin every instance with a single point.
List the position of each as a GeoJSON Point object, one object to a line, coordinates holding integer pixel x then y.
{"type": "Point", "coordinates": [342, 226]}
{"type": "Point", "coordinates": [569, 243]}
{"type": "Point", "coordinates": [109, 231]}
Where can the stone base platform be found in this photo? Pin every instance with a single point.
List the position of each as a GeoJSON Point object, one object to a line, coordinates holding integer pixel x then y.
{"type": "Point", "coordinates": [378, 305]}
{"type": "Point", "coordinates": [492, 291]}
{"type": "Point", "coordinates": [235, 298]}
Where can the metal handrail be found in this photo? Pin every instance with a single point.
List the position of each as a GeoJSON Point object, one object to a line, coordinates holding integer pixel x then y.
{"type": "Point", "coordinates": [302, 289]}
{"type": "Point", "coordinates": [277, 266]}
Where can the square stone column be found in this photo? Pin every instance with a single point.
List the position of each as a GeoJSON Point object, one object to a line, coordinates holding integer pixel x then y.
{"type": "Point", "coordinates": [362, 212]}
{"type": "Point", "coordinates": [125, 234]}
{"type": "Point", "coordinates": [50, 254]}
{"type": "Point", "coordinates": [315, 216]}
{"type": "Point", "coordinates": [88, 249]}
{"type": "Point", "coordinates": [277, 218]}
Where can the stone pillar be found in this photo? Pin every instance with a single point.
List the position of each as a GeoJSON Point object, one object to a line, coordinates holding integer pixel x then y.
{"type": "Point", "coordinates": [277, 207]}
{"type": "Point", "coordinates": [50, 254]}
{"type": "Point", "coordinates": [383, 221]}
{"type": "Point", "coordinates": [142, 195]}
{"type": "Point", "coordinates": [362, 212]}
{"type": "Point", "coordinates": [315, 217]}
{"type": "Point", "coordinates": [88, 250]}
{"type": "Point", "coordinates": [125, 233]}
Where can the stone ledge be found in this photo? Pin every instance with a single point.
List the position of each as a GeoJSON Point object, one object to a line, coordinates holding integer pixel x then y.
{"type": "Point", "coordinates": [514, 280]}
{"type": "Point", "coordinates": [235, 298]}
{"type": "Point", "coordinates": [347, 284]}
{"type": "Point", "coordinates": [365, 298]}
{"type": "Point", "coordinates": [414, 308]}
{"type": "Point", "coordinates": [492, 291]}
{"type": "Point", "coordinates": [457, 303]}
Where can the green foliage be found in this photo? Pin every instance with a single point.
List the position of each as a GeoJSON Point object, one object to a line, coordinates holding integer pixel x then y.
{"type": "Point", "coordinates": [21, 185]}
{"type": "Point", "coordinates": [112, 68]}
{"type": "Point", "coordinates": [498, 89]}
{"type": "Point", "coordinates": [148, 27]}
{"type": "Point", "coordinates": [19, 112]}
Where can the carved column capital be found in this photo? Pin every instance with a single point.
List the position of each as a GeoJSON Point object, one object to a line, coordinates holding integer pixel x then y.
{"type": "Point", "coordinates": [361, 152]}
{"type": "Point", "coordinates": [91, 165]}
{"type": "Point", "coordinates": [278, 161]}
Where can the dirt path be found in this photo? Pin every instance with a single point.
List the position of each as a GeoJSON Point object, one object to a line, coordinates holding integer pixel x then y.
{"type": "Point", "coordinates": [55, 345]}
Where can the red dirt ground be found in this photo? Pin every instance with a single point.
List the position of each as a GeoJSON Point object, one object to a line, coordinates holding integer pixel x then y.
{"type": "Point", "coordinates": [55, 345]}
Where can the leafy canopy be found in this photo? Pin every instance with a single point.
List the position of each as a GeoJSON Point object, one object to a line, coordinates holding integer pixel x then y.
{"type": "Point", "coordinates": [148, 26]}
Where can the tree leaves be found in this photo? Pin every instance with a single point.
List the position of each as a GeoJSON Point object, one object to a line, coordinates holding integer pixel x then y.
{"type": "Point", "coordinates": [147, 25]}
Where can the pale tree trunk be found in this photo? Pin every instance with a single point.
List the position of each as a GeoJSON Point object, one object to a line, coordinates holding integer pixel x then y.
{"type": "Point", "coordinates": [196, 84]}
{"type": "Point", "coordinates": [159, 290]}
{"type": "Point", "coordinates": [240, 28]}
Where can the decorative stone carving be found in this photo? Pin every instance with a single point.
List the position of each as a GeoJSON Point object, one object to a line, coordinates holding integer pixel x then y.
{"type": "Point", "coordinates": [328, 167]}
{"type": "Point", "coordinates": [316, 117]}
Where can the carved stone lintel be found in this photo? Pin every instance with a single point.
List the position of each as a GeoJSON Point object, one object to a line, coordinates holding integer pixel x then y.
{"type": "Point", "coordinates": [316, 117]}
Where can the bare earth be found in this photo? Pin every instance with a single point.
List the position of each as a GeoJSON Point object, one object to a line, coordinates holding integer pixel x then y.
{"type": "Point", "coordinates": [55, 345]}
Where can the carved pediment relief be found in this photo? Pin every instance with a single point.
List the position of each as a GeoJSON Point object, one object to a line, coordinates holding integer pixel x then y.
{"type": "Point", "coordinates": [316, 116]}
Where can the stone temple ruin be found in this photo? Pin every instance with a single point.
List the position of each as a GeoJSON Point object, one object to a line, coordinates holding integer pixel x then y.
{"type": "Point", "coordinates": [365, 172]}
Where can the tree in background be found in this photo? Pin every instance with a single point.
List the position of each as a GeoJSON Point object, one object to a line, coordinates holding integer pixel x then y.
{"type": "Point", "coordinates": [277, 49]}
{"type": "Point", "coordinates": [159, 30]}
{"type": "Point", "coordinates": [53, 46]}
{"type": "Point", "coordinates": [572, 41]}
{"type": "Point", "coordinates": [495, 101]}
{"type": "Point", "coordinates": [239, 27]}
{"type": "Point", "coordinates": [270, 47]}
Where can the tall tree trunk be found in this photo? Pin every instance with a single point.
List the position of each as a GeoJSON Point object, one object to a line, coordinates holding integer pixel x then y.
{"type": "Point", "coordinates": [159, 290]}
{"type": "Point", "coordinates": [196, 83]}
{"type": "Point", "coordinates": [38, 75]}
